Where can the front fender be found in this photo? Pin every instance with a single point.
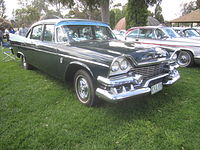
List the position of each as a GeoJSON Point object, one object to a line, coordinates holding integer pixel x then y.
{"type": "Point", "coordinates": [73, 67]}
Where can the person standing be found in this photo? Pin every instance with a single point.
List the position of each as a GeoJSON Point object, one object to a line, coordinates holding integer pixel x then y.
{"type": "Point", "coordinates": [11, 30]}
{"type": "Point", "coordinates": [23, 30]}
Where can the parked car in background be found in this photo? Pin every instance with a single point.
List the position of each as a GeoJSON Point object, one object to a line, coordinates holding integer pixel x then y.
{"type": "Point", "coordinates": [188, 50]}
{"type": "Point", "coordinates": [187, 32]}
{"type": "Point", "coordinates": [120, 34]}
{"type": "Point", "coordinates": [87, 53]}
{"type": "Point", "coordinates": [197, 29]}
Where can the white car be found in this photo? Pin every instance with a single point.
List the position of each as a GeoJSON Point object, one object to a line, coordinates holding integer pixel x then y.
{"type": "Point", "coordinates": [188, 50]}
{"type": "Point", "coordinates": [191, 33]}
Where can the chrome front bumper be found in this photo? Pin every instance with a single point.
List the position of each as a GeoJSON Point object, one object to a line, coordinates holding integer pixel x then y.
{"type": "Point", "coordinates": [129, 86]}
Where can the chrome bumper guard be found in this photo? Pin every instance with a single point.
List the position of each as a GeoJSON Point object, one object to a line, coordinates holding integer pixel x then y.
{"type": "Point", "coordinates": [109, 91]}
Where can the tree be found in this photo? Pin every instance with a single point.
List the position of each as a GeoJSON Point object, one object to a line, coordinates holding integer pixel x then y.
{"type": "Point", "coordinates": [82, 11]}
{"type": "Point", "coordinates": [26, 15]}
{"type": "Point", "coordinates": [188, 7]}
{"type": "Point", "coordinates": [105, 14]}
{"type": "Point", "coordinates": [116, 14]}
{"type": "Point", "coordinates": [43, 6]}
{"type": "Point", "coordinates": [158, 13]}
{"type": "Point", "coordinates": [2, 9]}
{"type": "Point", "coordinates": [92, 5]}
{"type": "Point", "coordinates": [137, 12]}
{"type": "Point", "coordinates": [198, 4]}
{"type": "Point", "coordinates": [136, 16]}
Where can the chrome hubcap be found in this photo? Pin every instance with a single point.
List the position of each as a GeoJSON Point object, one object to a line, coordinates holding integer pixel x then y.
{"type": "Point", "coordinates": [184, 59]}
{"type": "Point", "coordinates": [82, 89]}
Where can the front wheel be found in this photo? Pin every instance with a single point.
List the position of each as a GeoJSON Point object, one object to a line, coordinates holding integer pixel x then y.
{"type": "Point", "coordinates": [84, 88]}
{"type": "Point", "coordinates": [185, 59]}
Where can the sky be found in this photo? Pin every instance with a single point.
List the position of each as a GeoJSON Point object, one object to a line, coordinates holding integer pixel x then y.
{"type": "Point", "coordinates": [171, 9]}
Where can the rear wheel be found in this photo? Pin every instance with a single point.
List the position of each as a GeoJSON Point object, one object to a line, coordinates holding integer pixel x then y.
{"type": "Point", "coordinates": [185, 59]}
{"type": "Point", "coordinates": [84, 88]}
{"type": "Point", "coordinates": [24, 64]}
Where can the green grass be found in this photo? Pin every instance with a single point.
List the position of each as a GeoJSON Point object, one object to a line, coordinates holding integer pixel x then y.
{"type": "Point", "coordinates": [40, 113]}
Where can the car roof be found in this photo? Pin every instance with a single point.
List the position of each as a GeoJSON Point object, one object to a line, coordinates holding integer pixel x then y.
{"type": "Point", "coordinates": [58, 22]}
{"type": "Point", "coordinates": [149, 27]}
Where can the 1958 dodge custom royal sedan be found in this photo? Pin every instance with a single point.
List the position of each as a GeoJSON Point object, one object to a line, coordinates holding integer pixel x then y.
{"type": "Point", "coordinates": [88, 54]}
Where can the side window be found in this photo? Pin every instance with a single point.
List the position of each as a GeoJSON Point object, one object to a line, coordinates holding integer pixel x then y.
{"type": "Point", "coordinates": [159, 34]}
{"type": "Point", "coordinates": [48, 33]}
{"type": "Point", "coordinates": [36, 32]}
{"type": "Point", "coordinates": [61, 37]}
{"type": "Point", "coordinates": [146, 34]}
{"type": "Point", "coordinates": [133, 34]}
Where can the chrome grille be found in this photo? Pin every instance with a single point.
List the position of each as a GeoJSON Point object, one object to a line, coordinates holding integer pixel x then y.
{"type": "Point", "coordinates": [149, 71]}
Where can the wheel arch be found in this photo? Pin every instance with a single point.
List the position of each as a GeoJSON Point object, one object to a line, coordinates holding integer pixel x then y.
{"type": "Point", "coordinates": [19, 54]}
{"type": "Point", "coordinates": [75, 66]}
{"type": "Point", "coordinates": [184, 49]}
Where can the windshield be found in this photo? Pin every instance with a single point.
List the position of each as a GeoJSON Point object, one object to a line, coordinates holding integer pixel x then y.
{"type": "Point", "coordinates": [170, 32]}
{"type": "Point", "coordinates": [86, 32]}
{"type": "Point", "coordinates": [191, 33]}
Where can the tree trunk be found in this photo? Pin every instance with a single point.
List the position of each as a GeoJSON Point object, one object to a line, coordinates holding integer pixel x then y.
{"type": "Point", "coordinates": [105, 14]}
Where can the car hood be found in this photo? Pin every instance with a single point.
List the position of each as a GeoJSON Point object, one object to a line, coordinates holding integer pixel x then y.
{"type": "Point", "coordinates": [117, 48]}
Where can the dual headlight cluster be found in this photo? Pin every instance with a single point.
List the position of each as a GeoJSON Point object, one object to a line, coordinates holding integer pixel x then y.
{"type": "Point", "coordinates": [119, 65]}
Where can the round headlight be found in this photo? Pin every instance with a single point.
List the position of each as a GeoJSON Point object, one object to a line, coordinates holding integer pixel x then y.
{"type": "Point", "coordinates": [115, 66]}
{"type": "Point", "coordinates": [124, 64]}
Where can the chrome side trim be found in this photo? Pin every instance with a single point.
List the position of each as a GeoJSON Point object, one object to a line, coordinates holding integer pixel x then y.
{"type": "Point", "coordinates": [84, 60]}
{"type": "Point", "coordinates": [72, 57]}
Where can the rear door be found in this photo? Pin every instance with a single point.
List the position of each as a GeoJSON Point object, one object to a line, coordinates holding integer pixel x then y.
{"type": "Point", "coordinates": [147, 38]}
{"type": "Point", "coordinates": [47, 57]}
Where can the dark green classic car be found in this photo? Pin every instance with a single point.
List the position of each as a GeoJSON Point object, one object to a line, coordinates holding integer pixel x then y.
{"type": "Point", "coordinates": [88, 54]}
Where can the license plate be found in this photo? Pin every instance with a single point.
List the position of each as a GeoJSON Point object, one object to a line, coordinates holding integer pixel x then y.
{"type": "Point", "coordinates": [156, 88]}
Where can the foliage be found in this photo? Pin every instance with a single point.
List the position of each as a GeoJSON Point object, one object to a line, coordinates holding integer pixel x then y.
{"type": "Point", "coordinates": [4, 24]}
{"type": "Point", "coordinates": [91, 5]}
{"type": "Point", "coordinates": [35, 10]}
{"type": "Point", "coordinates": [115, 15]}
{"type": "Point", "coordinates": [136, 16]}
{"type": "Point", "coordinates": [2, 9]}
{"type": "Point", "coordinates": [83, 14]}
{"type": "Point", "coordinates": [27, 15]}
{"type": "Point", "coordinates": [68, 3]}
{"type": "Point", "coordinates": [191, 6]}
{"type": "Point", "coordinates": [158, 13]}
{"type": "Point", "coordinates": [198, 4]}
{"type": "Point", "coordinates": [40, 113]}
{"type": "Point", "coordinates": [137, 12]}
{"type": "Point", "coordinates": [188, 8]}
{"type": "Point", "coordinates": [83, 11]}
{"type": "Point", "coordinates": [152, 2]}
